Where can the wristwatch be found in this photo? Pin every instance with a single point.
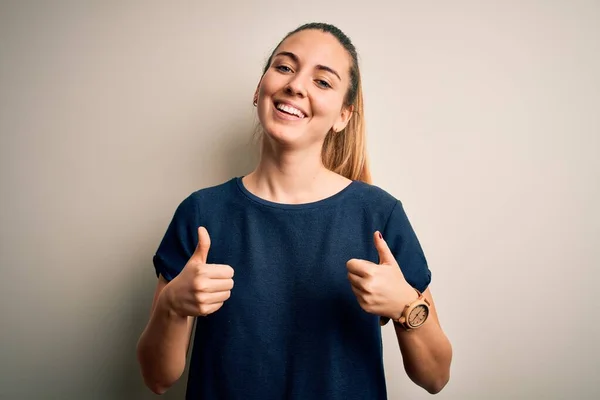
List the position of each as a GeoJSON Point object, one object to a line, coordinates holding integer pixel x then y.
{"type": "Point", "coordinates": [413, 315]}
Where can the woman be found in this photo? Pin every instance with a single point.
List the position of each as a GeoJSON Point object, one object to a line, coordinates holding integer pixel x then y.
{"type": "Point", "coordinates": [321, 257]}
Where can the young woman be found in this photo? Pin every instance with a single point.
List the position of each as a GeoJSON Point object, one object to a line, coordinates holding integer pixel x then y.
{"type": "Point", "coordinates": [320, 257]}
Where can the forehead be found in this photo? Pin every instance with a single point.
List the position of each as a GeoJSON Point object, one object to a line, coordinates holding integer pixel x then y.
{"type": "Point", "coordinates": [314, 47]}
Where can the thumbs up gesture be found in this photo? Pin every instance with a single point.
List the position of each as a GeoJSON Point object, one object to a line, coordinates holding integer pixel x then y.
{"type": "Point", "coordinates": [381, 289]}
{"type": "Point", "coordinates": [200, 288]}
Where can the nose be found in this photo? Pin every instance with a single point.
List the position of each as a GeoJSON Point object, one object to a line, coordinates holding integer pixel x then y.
{"type": "Point", "coordinates": [295, 86]}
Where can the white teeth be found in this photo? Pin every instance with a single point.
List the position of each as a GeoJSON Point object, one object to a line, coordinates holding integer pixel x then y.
{"type": "Point", "coordinates": [290, 110]}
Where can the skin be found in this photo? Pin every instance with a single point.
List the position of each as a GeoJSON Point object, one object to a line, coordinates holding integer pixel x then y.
{"type": "Point", "coordinates": [291, 169]}
{"type": "Point", "coordinates": [381, 289]}
{"type": "Point", "coordinates": [310, 70]}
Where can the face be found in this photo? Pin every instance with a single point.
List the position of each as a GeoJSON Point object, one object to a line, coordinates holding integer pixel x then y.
{"type": "Point", "coordinates": [301, 96]}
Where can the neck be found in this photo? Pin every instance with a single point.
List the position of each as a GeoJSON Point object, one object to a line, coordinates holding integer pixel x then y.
{"type": "Point", "coordinates": [291, 175]}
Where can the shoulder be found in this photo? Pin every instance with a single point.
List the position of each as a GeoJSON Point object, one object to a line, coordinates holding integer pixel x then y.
{"type": "Point", "coordinates": [210, 194]}
{"type": "Point", "coordinates": [205, 199]}
{"type": "Point", "coordinates": [375, 196]}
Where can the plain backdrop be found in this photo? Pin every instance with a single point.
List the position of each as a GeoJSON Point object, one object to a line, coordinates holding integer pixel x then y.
{"type": "Point", "coordinates": [482, 117]}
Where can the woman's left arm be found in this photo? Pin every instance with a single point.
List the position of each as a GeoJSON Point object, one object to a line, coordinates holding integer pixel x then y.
{"type": "Point", "coordinates": [382, 289]}
{"type": "Point", "coordinates": [426, 351]}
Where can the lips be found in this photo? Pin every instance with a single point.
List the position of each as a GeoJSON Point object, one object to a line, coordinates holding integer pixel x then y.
{"type": "Point", "coordinates": [290, 109]}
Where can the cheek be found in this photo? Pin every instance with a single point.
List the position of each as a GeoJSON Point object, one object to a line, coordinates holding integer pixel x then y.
{"type": "Point", "coordinates": [265, 91]}
{"type": "Point", "coordinates": [270, 83]}
{"type": "Point", "coordinates": [326, 107]}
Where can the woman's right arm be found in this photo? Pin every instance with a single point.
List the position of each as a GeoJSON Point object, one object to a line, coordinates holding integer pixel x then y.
{"type": "Point", "coordinates": [162, 348]}
{"type": "Point", "coordinates": [198, 290]}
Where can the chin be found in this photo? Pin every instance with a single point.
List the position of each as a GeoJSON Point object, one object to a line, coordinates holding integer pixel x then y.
{"type": "Point", "coordinates": [285, 135]}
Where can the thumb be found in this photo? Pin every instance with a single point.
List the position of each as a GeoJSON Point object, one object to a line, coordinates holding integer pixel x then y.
{"type": "Point", "coordinates": [203, 246]}
{"type": "Point", "coordinates": [385, 254]}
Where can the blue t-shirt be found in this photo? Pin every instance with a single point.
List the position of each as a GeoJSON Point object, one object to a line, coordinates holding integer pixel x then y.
{"type": "Point", "coordinates": [292, 328]}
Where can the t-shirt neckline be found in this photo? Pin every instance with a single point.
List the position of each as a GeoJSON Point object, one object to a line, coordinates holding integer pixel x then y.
{"type": "Point", "coordinates": [315, 204]}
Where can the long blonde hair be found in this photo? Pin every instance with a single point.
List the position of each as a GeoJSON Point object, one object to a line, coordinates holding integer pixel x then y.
{"type": "Point", "coordinates": [344, 152]}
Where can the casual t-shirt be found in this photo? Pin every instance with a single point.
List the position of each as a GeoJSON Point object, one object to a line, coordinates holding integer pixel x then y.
{"type": "Point", "coordinates": [292, 328]}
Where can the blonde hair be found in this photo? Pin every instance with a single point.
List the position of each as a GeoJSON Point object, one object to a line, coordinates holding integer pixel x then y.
{"type": "Point", "coordinates": [344, 152]}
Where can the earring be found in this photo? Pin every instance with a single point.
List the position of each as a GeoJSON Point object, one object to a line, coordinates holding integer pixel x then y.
{"type": "Point", "coordinates": [255, 102]}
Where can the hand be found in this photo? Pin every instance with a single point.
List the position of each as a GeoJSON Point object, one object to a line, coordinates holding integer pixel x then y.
{"type": "Point", "coordinates": [200, 289]}
{"type": "Point", "coordinates": [381, 289]}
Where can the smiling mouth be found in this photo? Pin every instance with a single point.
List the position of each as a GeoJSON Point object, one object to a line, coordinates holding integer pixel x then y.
{"type": "Point", "coordinates": [289, 110]}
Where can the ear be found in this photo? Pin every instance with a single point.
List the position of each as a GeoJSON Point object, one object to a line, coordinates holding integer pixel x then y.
{"type": "Point", "coordinates": [255, 99]}
{"type": "Point", "coordinates": [343, 119]}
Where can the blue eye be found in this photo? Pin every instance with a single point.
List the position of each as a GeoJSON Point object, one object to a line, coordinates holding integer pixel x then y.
{"type": "Point", "coordinates": [283, 68]}
{"type": "Point", "coordinates": [323, 83]}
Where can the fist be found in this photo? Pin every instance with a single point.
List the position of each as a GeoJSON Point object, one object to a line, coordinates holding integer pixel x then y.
{"type": "Point", "coordinates": [200, 289]}
{"type": "Point", "coordinates": [380, 289]}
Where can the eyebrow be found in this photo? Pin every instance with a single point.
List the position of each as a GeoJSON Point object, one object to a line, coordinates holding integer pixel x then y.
{"type": "Point", "coordinates": [297, 60]}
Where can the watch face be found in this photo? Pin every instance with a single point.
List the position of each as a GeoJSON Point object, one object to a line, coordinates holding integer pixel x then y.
{"type": "Point", "coordinates": [418, 315]}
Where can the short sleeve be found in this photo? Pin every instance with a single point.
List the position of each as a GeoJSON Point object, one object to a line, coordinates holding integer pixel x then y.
{"type": "Point", "coordinates": [404, 244]}
{"type": "Point", "coordinates": [179, 242]}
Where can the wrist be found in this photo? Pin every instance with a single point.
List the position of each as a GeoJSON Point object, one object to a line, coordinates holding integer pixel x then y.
{"type": "Point", "coordinates": [406, 296]}
{"type": "Point", "coordinates": [411, 312]}
{"type": "Point", "coordinates": [167, 304]}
